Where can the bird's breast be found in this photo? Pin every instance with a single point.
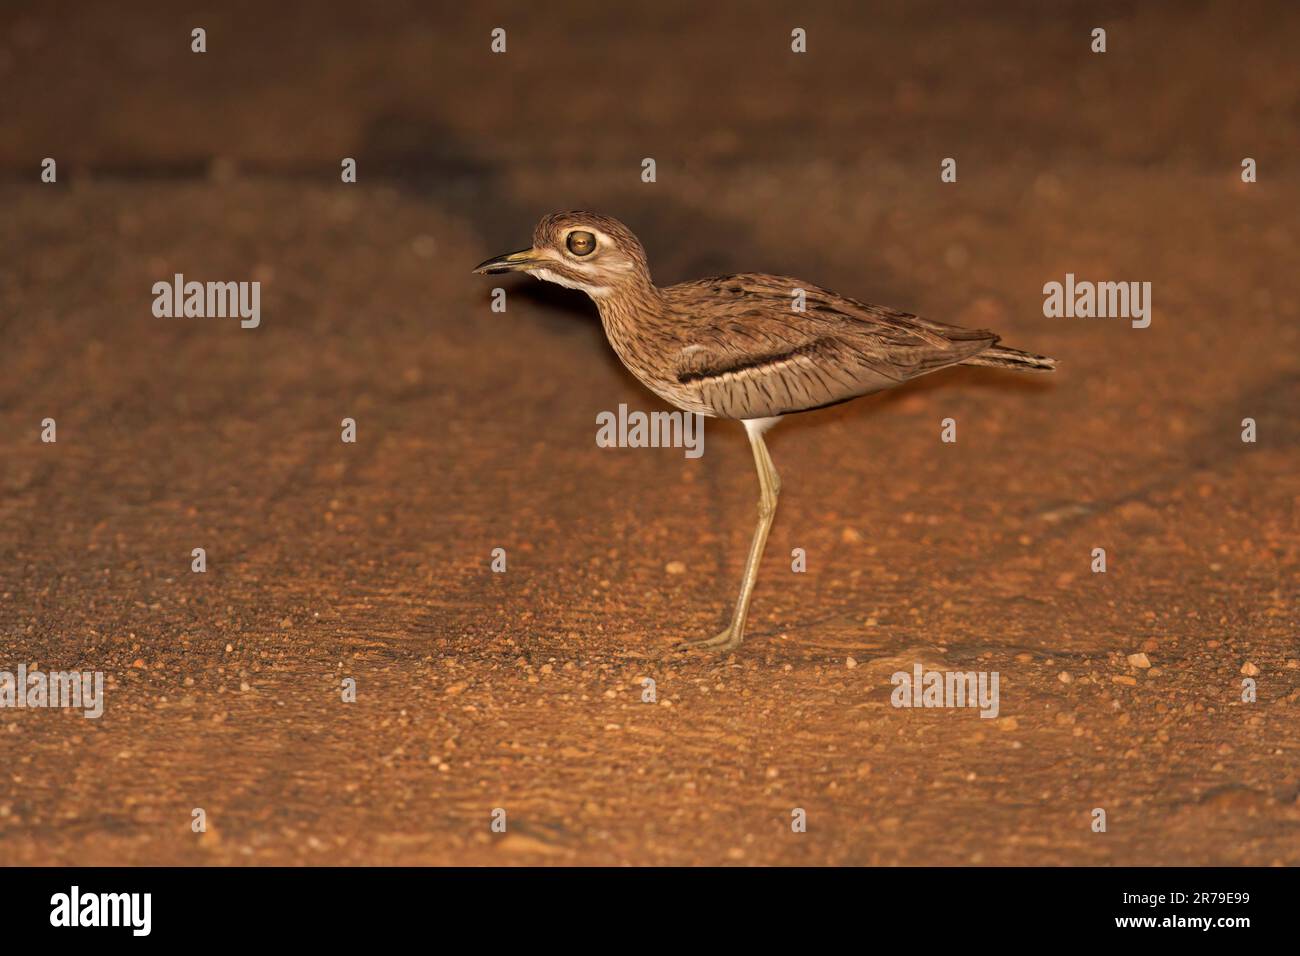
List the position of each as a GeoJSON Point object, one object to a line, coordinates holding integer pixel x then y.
{"type": "Point", "coordinates": [652, 351]}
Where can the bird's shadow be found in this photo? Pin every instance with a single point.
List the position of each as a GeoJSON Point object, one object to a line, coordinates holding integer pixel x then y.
{"type": "Point", "coordinates": [426, 159]}
{"type": "Point", "coordinates": [955, 379]}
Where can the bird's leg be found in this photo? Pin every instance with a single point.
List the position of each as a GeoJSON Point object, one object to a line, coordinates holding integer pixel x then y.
{"type": "Point", "coordinates": [769, 486]}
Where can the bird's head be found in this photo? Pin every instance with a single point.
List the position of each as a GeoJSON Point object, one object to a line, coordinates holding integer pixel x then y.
{"type": "Point", "coordinates": [579, 250]}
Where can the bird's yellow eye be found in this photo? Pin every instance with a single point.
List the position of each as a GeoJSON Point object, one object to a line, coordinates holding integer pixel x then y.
{"type": "Point", "coordinates": [581, 243]}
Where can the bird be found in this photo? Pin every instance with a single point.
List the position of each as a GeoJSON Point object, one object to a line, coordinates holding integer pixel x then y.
{"type": "Point", "coordinates": [751, 347]}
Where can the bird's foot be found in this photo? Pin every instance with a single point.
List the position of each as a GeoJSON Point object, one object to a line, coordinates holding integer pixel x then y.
{"type": "Point", "coordinates": [728, 640]}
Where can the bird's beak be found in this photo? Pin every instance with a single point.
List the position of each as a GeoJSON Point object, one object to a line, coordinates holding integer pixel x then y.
{"type": "Point", "coordinates": [515, 262]}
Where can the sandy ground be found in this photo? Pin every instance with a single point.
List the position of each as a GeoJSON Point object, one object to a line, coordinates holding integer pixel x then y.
{"type": "Point", "coordinates": [523, 690]}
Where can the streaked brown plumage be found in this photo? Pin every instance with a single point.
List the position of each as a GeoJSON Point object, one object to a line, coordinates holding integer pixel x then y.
{"type": "Point", "coordinates": [737, 347]}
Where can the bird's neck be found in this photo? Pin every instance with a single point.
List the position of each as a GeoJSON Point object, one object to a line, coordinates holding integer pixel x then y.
{"type": "Point", "coordinates": [633, 316]}
{"type": "Point", "coordinates": [631, 305]}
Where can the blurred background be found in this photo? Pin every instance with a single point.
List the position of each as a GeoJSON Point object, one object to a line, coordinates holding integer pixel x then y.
{"type": "Point", "coordinates": [476, 431]}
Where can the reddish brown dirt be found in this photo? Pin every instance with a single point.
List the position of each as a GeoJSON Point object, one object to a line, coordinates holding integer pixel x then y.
{"type": "Point", "coordinates": [523, 690]}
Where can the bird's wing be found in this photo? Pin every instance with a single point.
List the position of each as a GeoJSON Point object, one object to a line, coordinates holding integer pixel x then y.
{"type": "Point", "coordinates": [748, 353]}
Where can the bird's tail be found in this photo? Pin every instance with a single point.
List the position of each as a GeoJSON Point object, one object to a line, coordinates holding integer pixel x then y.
{"type": "Point", "coordinates": [999, 356]}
